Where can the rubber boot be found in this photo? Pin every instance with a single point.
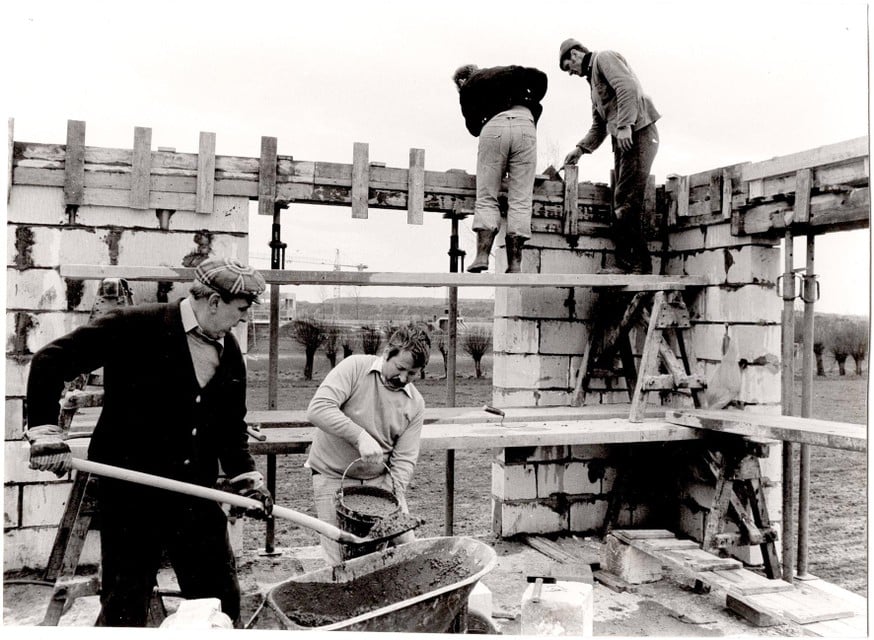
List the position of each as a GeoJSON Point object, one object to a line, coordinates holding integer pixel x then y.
{"type": "Point", "coordinates": [514, 253]}
{"type": "Point", "coordinates": [484, 240]}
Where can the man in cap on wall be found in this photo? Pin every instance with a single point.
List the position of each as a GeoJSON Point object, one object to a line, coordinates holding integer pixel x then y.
{"type": "Point", "coordinates": [174, 406]}
{"type": "Point", "coordinates": [501, 106]}
{"type": "Point", "coordinates": [620, 108]}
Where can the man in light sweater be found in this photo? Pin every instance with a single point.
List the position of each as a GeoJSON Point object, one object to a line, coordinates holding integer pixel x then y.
{"type": "Point", "coordinates": [369, 418]}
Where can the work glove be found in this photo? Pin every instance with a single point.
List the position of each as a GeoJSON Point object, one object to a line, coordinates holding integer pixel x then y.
{"type": "Point", "coordinates": [48, 451]}
{"type": "Point", "coordinates": [251, 485]}
{"type": "Point", "coordinates": [368, 448]}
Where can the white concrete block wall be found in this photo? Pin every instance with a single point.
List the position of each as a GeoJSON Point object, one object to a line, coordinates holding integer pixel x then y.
{"type": "Point", "coordinates": [41, 306]}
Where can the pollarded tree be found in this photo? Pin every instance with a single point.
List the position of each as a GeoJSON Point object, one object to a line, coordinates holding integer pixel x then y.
{"type": "Point", "coordinates": [310, 334]}
{"type": "Point", "coordinates": [332, 342]}
{"type": "Point", "coordinates": [477, 341]}
{"type": "Point", "coordinates": [859, 343]}
{"type": "Point", "coordinates": [371, 339]}
{"type": "Point", "coordinates": [438, 339]}
{"type": "Point", "coordinates": [841, 343]}
{"type": "Point", "coordinates": [347, 342]}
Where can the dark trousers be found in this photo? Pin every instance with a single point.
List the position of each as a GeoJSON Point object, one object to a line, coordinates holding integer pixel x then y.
{"type": "Point", "coordinates": [632, 169]}
{"type": "Point", "coordinates": [137, 528]}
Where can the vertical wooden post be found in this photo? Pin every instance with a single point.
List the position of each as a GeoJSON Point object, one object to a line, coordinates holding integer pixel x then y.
{"type": "Point", "coordinates": [74, 163]}
{"type": "Point", "coordinates": [141, 168]}
{"type": "Point", "coordinates": [11, 138]}
{"type": "Point", "coordinates": [683, 196]}
{"type": "Point", "coordinates": [715, 192]}
{"type": "Point", "coordinates": [360, 180]}
{"type": "Point", "coordinates": [726, 194]}
{"type": "Point", "coordinates": [205, 199]}
{"type": "Point", "coordinates": [267, 177]}
{"type": "Point", "coordinates": [788, 380]}
{"type": "Point", "coordinates": [416, 187]}
{"type": "Point", "coordinates": [803, 181]}
{"type": "Point", "coordinates": [571, 210]}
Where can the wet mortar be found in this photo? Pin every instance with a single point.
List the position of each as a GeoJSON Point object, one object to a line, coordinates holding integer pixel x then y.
{"type": "Point", "coordinates": [330, 602]}
{"type": "Point", "coordinates": [369, 506]}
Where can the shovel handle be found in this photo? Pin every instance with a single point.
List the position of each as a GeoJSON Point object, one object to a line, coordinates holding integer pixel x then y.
{"type": "Point", "coordinates": [195, 490]}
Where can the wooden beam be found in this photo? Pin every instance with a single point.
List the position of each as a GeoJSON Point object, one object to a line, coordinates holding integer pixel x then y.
{"type": "Point", "coordinates": [416, 188]}
{"type": "Point", "coordinates": [267, 177]}
{"type": "Point", "coordinates": [352, 278]}
{"type": "Point", "coordinates": [74, 163]}
{"type": "Point", "coordinates": [206, 173]}
{"type": "Point", "coordinates": [570, 208]}
{"type": "Point", "coordinates": [360, 180]}
{"type": "Point", "coordinates": [803, 184]}
{"type": "Point", "coordinates": [823, 433]}
{"type": "Point", "coordinates": [829, 154]}
{"type": "Point", "coordinates": [141, 168]}
{"type": "Point", "coordinates": [683, 196]}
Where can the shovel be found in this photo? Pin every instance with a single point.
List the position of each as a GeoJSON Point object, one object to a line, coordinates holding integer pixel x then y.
{"type": "Point", "coordinates": [159, 482]}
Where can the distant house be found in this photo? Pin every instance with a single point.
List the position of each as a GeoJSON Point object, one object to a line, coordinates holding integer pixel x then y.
{"type": "Point", "coordinates": [260, 313]}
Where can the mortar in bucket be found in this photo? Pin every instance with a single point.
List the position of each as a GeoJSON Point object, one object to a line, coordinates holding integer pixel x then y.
{"type": "Point", "coordinates": [359, 508]}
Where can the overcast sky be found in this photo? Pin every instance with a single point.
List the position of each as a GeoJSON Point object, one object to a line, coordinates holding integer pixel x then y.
{"type": "Point", "coordinates": [733, 81]}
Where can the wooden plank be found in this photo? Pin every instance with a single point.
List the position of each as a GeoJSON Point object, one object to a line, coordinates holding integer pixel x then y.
{"type": "Point", "coordinates": [570, 210]}
{"type": "Point", "coordinates": [205, 194]}
{"type": "Point", "coordinates": [715, 192]}
{"type": "Point", "coordinates": [416, 189]}
{"type": "Point", "coordinates": [683, 196]}
{"type": "Point", "coordinates": [627, 282]}
{"type": "Point", "coordinates": [141, 168]}
{"type": "Point", "coordinates": [360, 180]}
{"type": "Point", "coordinates": [823, 433]}
{"type": "Point", "coordinates": [631, 535]}
{"type": "Point", "coordinates": [10, 138]}
{"type": "Point", "coordinates": [74, 163]}
{"type": "Point", "coordinates": [803, 178]}
{"type": "Point", "coordinates": [743, 582]}
{"type": "Point", "coordinates": [653, 546]}
{"type": "Point", "coordinates": [854, 627]}
{"type": "Point", "coordinates": [828, 154]}
{"type": "Point", "coordinates": [799, 607]}
{"type": "Point", "coordinates": [727, 178]}
{"type": "Point", "coordinates": [267, 177]}
{"type": "Point", "coordinates": [649, 358]}
{"type": "Point", "coordinates": [751, 612]}
{"type": "Point", "coordinates": [697, 560]}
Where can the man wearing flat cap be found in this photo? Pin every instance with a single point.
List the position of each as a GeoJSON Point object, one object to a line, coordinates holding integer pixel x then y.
{"type": "Point", "coordinates": [621, 109]}
{"type": "Point", "coordinates": [174, 406]}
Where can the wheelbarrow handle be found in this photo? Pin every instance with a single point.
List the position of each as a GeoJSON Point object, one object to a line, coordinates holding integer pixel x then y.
{"type": "Point", "coordinates": [160, 482]}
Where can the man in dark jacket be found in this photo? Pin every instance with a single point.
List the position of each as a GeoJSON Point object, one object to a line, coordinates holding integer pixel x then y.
{"type": "Point", "coordinates": [501, 106]}
{"type": "Point", "coordinates": [620, 108]}
{"type": "Point", "coordinates": [174, 406]}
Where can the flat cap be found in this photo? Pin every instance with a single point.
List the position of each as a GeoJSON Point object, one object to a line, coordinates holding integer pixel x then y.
{"type": "Point", "coordinates": [232, 278]}
{"type": "Point", "coordinates": [567, 46]}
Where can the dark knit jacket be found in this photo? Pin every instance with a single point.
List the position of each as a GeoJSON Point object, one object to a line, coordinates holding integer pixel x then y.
{"type": "Point", "coordinates": [495, 89]}
{"type": "Point", "coordinates": [155, 417]}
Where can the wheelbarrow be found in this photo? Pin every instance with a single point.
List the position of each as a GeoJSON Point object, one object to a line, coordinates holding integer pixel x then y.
{"type": "Point", "coordinates": [417, 587]}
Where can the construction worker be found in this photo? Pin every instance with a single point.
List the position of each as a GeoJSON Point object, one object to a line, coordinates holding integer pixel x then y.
{"type": "Point", "coordinates": [620, 108]}
{"type": "Point", "coordinates": [369, 418]}
{"type": "Point", "coordinates": [174, 406]}
{"type": "Point", "coordinates": [501, 106]}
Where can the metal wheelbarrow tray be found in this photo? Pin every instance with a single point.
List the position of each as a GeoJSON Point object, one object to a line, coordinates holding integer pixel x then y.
{"type": "Point", "coordinates": [417, 587]}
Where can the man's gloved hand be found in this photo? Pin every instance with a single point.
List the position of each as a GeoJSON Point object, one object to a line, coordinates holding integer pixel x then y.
{"type": "Point", "coordinates": [251, 485]}
{"type": "Point", "coordinates": [369, 449]}
{"type": "Point", "coordinates": [48, 451]}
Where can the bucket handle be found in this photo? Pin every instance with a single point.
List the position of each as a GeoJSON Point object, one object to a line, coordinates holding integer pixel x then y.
{"type": "Point", "coordinates": [393, 483]}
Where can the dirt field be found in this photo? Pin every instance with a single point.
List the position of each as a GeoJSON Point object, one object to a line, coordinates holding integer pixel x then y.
{"type": "Point", "coordinates": [838, 496]}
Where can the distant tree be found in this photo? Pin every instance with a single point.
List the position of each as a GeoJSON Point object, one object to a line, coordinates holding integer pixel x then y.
{"type": "Point", "coordinates": [347, 341]}
{"type": "Point", "coordinates": [333, 333]}
{"type": "Point", "coordinates": [859, 343]}
{"type": "Point", "coordinates": [371, 339]}
{"type": "Point", "coordinates": [439, 340]}
{"type": "Point", "coordinates": [841, 343]}
{"type": "Point", "coordinates": [310, 334]}
{"type": "Point", "coordinates": [477, 341]}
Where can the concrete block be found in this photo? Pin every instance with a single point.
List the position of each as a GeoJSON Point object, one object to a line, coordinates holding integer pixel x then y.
{"type": "Point", "coordinates": [567, 477]}
{"type": "Point", "coordinates": [686, 240]}
{"type": "Point", "coordinates": [43, 504]}
{"type": "Point", "coordinates": [532, 302]}
{"type": "Point", "coordinates": [711, 264]}
{"type": "Point", "coordinates": [146, 247]}
{"type": "Point", "coordinates": [587, 516]}
{"type": "Point", "coordinates": [514, 397]}
{"type": "Point", "coordinates": [560, 242]}
{"type": "Point", "coordinates": [552, 261]}
{"type": "Point", "coordinates": [36, 205]}
{"type": "Point", "coordinates": [11, 517]}
{"type": "Point", "coordinates": [633, 566]}
{"type": "Point", "coordinates": [514, 482]}
{"type": "Point", "coordinates": [480, 600]}
{"type": "Point", "coordinates": [14, 425]}
{"type": "Point", "coordinates": [553, 453]}
{"type": "Point", "coordinates": [563, 337]}
{"type": "Point", "coordinates": [719, 235]}
{"type": "Point", "coordinates": [42, 289]}
{"type": "Point", "coordinates": [29, 548]}
{"type": "Point", "coordinates": [513, 335]}
{"type": "Point", "coordinates": [562, 609]}
{"type": "Point", "coordinates": [752, 341]}
{"type": "Point", "coordinates": [753, 264]}
{"type": "Point", "coordinates": [41, 328]}
{"type": "Point", "coordinates": [618, 397]}
{"type": "Point", "coordinates": [16, 376]}
{"type": "Point", "coordinates": [530, 371]}
{"type": "Point", "coordinates": [590, 451]}
{"type": "Point", "coordinates": [512, 518]}
{"type": "Point", "coordinates": [752, 303]}
{"type": "Point", "coordinates": [231, 214]}
{"type": "Point", "coordinates": [760, 385]}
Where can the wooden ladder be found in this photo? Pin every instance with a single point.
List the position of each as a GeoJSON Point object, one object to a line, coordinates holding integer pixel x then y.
{"type": "Point", "coordinates": [665, 347]}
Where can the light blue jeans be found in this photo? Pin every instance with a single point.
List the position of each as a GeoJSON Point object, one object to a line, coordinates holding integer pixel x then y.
{"type": "Point", "coordinates": [325, 496]}
{"type": "Point", "coordinates": [507, 146]}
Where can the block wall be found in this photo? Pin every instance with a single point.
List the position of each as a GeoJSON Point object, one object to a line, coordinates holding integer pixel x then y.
{"type": "Point", "coordinates": [540, 335]}
{"type": "Point", "coordinates": [41, 306]}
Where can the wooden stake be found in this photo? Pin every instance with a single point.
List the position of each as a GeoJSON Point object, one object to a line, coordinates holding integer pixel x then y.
{"type": "Point", "coordinates": [416, 187]}
{"type": "Point", "coordinates": [267, 177]}
{"type": "Point", "coordinates": [360, 180]}
{"type": "Point", "coordinates": [141, 168]}
{"type": "Point", "coordinates": [74, 163]}
{"type": "Point", "coordinates": [206, 173]}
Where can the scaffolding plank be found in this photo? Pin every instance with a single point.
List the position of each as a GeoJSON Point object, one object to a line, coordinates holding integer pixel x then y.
{"type": "Point", "coordinates": [828, 154]}
{"type": "Point", "coordinates": [360, 180]}
{"type": "Point", "coordinates": [416, 189]}
{"type": "Point", "coordinates": [823, 433]}
{"type": "Point", "coordinates": [206, 173]}
{"type": "Point", "coordinates": [141, 168]}
{"type": "Point", "coordinates": [74, 163]}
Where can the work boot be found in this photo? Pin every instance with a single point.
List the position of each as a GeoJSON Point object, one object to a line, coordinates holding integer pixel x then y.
{"type": "Point", "coordinates": [514, 253]}
{"type": "Point", "coordinates": [484, 240]}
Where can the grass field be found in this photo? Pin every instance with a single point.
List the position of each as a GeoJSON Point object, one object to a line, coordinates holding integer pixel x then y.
{"type": "Point", "coordinates": [838, 500]}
